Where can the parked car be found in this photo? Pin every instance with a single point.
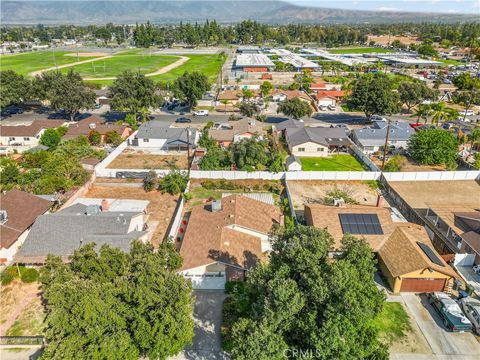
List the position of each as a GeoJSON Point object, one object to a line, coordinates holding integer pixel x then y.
{"type": "Point", "coordinates": [467, 112]}
{"type": "Point", "coordinates": [323, 107]}
{"type": "Point", "coordinates": [452, 315]}
{"type": "Point", "coordinates": [200, 113]}
{"type": "Point", "coordinates": [183, 120]}
{"type": "Point", "coordinates": [476, 269]}
{"type": "Point", "coordinates": [377, 118]}
{"type": "Point", "coordinates": [98, 106]}
{"type": "Point", "coordinates": [331, 107]}
{"type": "Point", "coordinates": [471, 308]}
{"type": "Point", "coordinates": [448, 125]}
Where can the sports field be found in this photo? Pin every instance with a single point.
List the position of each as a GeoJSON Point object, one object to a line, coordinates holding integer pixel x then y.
{"type": "Point", "coordinates": [360, 50]}
{"type": "Point", "coordinates": [28, 62]}
{"type": "Point", "coordinates": [111, 67]}
{"type": "Point", "coordinates": [209, 65]}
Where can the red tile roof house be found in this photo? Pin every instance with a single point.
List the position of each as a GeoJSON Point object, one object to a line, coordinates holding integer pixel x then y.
{"type": "Point", "coordinates": [19, 210]}
{"type": "Point", "coordinates": [85, 126]}
{"type": "Point", "coordinates": [282, 95]}
{"type": "Point", "coordinates": [25, 137]}
{"type": "Point", "coordinates": [225, 238]}
{"type": "Point", "coordinates": [328, 97]}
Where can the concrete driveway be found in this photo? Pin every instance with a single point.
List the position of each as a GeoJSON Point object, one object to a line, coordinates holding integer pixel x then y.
{"type": "Point", "coordinates": [444, 344]}
{"type": "Point", "coordinates": [208, 319]}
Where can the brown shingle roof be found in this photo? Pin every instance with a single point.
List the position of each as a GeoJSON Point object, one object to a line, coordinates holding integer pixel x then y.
{"type": "Point", "coordinates": [245, 125]}
{"type": "Point", "coordinates": [82, 127]}
{"type": "Point", "coordinates": [402, 255]}
{"type": "Point", "coordinates": [211, 236]}
{"type": "Point", "coordinates": [326, 216]}
{"type": "Point", "coordinates": [29, 130]}
{"type": "Point", "coordinates": [22, 210]}
{"type": "Point", "coordinates": [291, 94]}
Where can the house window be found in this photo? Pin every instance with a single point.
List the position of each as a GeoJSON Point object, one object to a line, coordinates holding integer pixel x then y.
{"type": "Point", "coordinates": [26, 139]}
{"type": "Point", "coordinates": [301, 149]}
{"type": "Point", "coordinates": [146, 140]}
{"type": "Point", "coordinates": [320, 149]}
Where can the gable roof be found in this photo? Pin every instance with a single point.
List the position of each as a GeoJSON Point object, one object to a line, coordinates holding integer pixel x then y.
{"type": "Point", "coordinates": [82, 127]}
{"type": "Point", "coordinates": [292, 159]}
{"type": "Point", "coordinates": [399, 131]}
{"type": "Point", "coordinates": [332, 94]}
{"type": "Point", "coordinates": [320, 135]}
{"type": "Point", "coordinates": [29, 130]}
{"type": "Point", "coordinates": [402, 254]}
{"type": "Point", "coordinates": [289, 123]}
{"type": "Point", "coordinates": [210, 236]}
{"type": "Point", "coordinates": [22, 209]}
{"type": "Point", "coordinates": [162, 130]}
{"type": "Point", "coordinates": [63, 232]}
{"type": "Point", "coordinates": [291, 94]}
{"type": "Point", "coordinates": [242, 126]}
{"type": "Point", "coordinates": [327, 216]}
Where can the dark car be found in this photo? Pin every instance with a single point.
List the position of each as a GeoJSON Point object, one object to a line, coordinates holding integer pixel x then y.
{"type": "Point", "coordinates": [452, 315]}
{"type": "Point", "coordinates": [183, 120]}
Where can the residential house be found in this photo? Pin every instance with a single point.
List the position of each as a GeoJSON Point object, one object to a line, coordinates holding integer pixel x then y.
{"type": "Point", "coordinates": [372, 139]}
{"type": "Point", "coordinates": [93, 123]}
{"type": "Point", "coordinates": [323, 86]}
{"type": "Point", "coordinates": [293, 163]}
{"type": "Point", "coordinates": [236, 131]}
{"type": "Point", "coordinates": [409, 262]}
{"type": "Point", "coordinates": [65, 231]}
{"type": "Point", "coordinates": [281, 127]}
{"type": "Point", "coordinates": [225, 238]}
{"type": "Point", "coordinates": [445, 92]}
{"type": "Point", "coordinates": [316, 141]}
{"type": "Point", "coordinates": [328, 97]}
{"type": "Point", "coordinates": [373, 223]}
{"type": "Point", "coordinates": [101, 96]}
{"type": "Point", "coordinates": [280, 95]}
{"type": "Point", "coordinates": [18, 211]}
{"type": "Point", "coordinates": [24, 137]}
{"type": "Point", "coordinates": [161, 136]}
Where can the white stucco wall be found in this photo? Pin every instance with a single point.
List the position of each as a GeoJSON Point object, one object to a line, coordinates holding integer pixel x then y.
{"type": "Point", "coordinates": [309, 149]}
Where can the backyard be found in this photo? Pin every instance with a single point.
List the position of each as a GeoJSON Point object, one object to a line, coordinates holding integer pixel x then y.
{"type": "Point", "coordinates": [141, 160]}
{"type": "Point", "coordinates": [340, 162]}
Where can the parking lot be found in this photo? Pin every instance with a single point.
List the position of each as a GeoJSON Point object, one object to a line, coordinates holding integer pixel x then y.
{"type": "Point", "coordinates": [444, 344]}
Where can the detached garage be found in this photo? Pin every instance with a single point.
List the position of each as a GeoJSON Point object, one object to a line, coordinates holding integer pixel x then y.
{"type": "Point", "coordinates": [411, 264]}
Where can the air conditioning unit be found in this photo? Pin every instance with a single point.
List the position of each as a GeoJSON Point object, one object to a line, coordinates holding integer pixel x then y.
{"type": "Point", "coordinates": [92, 125]}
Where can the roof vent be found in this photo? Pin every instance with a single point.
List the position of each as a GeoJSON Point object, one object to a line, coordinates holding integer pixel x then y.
{"type": "Point", "coordinates": [93, 210]}
{"type": "Point", "coordinates": [92, 125]}
{"type": "Point", "coordinates": [216, 205]}
{"type": "Point", "coordinates": [3, 216]}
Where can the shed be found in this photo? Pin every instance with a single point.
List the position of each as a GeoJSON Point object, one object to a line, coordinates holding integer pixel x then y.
{"type": "Point", "coordinates": [293, 163]}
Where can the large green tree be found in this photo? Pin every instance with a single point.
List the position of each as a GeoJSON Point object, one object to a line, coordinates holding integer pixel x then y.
{"type": "Point", "coordinates": [434, 147]}
{"type": "Point", "coordinates": [191, 87]}
{"type": "Point", "coordinates": [303, 301]}
{"type": "Point", "coordinates": [295, 108]}
{"type": "Point", "coordinates": [133, 92]}
{"type": "Point", "coordinates": [113, 305]}
{"type": "Point", "coordinates": [413, 93]}
{"type": "Point", "coordinates": [14, 88]}
{"type": "Point", "coordinates": [468, 93]}
{"type": "Point", "coordinates": [65, 92]}
{"type": "Point", "coordinates": [374, 94]}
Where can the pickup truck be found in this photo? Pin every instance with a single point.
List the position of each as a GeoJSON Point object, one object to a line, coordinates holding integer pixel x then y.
{"type": "Point", "coordinates": [452, 315]}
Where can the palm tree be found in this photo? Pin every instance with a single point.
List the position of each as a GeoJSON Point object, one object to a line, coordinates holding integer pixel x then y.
{"type": "Point", "coordinates": [474, 137]}
{"type": "Point", "coordinates": [441, 113]}
{"type": "Point", "coordinates": [422, 112]}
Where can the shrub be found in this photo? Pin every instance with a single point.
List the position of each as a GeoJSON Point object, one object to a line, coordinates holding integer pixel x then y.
{"type": "Point", "coordinates": [337, 193]}
{"type": "Point", "coordinates": [396, 163]}
{"type": "Point", "coordinates": [174, 182]}
{"type": "Point", "coordinates": [150, 181]}
{"type": "Point", "coordinates": [8, 275]}
{"type": "Point", "coordinates": [29, 275]}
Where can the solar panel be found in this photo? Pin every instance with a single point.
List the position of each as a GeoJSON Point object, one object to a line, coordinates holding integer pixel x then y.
{"type": "Point", "coordinates": [430, 254]}
{"type": "Point", "coordinates": [360, 224]}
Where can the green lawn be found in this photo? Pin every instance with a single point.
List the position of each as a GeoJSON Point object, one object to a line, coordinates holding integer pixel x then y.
{"type": "Point", "coordinates": [144, 63]}
{"type": "Point", "coordinates": [450, 62]}
{"type": "Point", "coordinates": [360, 50]}
{"type": "Point", "coordinates": [341, 162]}
{"type": "Point", "coordinates": [393, 322]}
{"type": "Point", "coordinates": [28, 62]}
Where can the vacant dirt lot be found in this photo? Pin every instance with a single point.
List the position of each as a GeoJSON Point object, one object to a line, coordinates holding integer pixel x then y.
{"type": "Point", "coordinates": [21, 309]}
{"type": "Point", "coordinates": [160, 208]}
{"type": "Point", "coordinates": [386, 39]}
{"type": "Point", "coordinates": [313, 191]}
{"type": "Point", "coordinates": [141, 160]}
{"type": "Point", "coordinates": [411, 166]}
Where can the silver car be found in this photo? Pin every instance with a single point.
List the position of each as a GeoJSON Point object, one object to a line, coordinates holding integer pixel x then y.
{"type": "Point", "coordinates": [471, 308]}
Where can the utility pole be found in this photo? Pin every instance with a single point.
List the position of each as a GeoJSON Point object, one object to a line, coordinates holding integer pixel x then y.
{"type": "Point", "coordinates": [188, 150]}
{"type": "Point", "coordinates": [385, 147]}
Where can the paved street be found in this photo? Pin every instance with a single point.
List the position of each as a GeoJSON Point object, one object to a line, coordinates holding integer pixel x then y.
{"type": "Point", "coordinates": [208, 318]}
{"type": "Point", "coordinates": [442, 342]}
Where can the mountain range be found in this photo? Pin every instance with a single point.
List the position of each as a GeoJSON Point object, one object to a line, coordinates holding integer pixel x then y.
{"type": "Point", "coordinates": [168, 12]}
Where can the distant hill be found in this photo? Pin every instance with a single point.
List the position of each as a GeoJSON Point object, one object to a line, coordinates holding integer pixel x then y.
{"type": "Point", "coordinates": [167, 12]}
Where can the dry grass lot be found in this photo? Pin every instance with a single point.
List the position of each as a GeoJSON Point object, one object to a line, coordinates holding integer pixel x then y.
{"type": "Point", "coordinates": [160, 208]}
{"type": "Point", "coordinates": [22, 311]}
{"type": "Point", "coordinates": [411, 165]}
{"type": "Point", "coordinates": [141, 160]}
{"type": "Point", "coordinates": [313, 191]}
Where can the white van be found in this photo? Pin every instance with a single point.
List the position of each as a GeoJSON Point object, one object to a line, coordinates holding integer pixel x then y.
{"type": "Point", "coordinates": [200, 113]}
{"type": "Point", "coordinates": [467, 113]}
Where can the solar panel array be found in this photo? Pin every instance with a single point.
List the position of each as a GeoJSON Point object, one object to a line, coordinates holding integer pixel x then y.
{"type": "Point", "coordinates": [360, 224]}
{"type": "Point", "coordinates": [430, 254]}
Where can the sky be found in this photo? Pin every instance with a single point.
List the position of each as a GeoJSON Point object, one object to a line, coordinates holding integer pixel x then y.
{"type": "Point", "coordinates": [439, 6]}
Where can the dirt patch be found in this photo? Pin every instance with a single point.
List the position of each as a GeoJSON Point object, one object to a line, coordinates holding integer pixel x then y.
{"type": "Point", "coordinates": [387, 39]}
{"type": "Point", "coordinates": [22, 311]}
{"type": "Point", "coordinates": [118, 181]}
{"type": "Point", "coordinates": [411, 165]}
{"type": "Point", "coordinates": [313, 191]}
{"type": "Point", "coordinates": [86, 54]}
{"type": "Point", "coordinates": [141, 160]}
{"type": "Point", "coordinates": [161, 207]}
